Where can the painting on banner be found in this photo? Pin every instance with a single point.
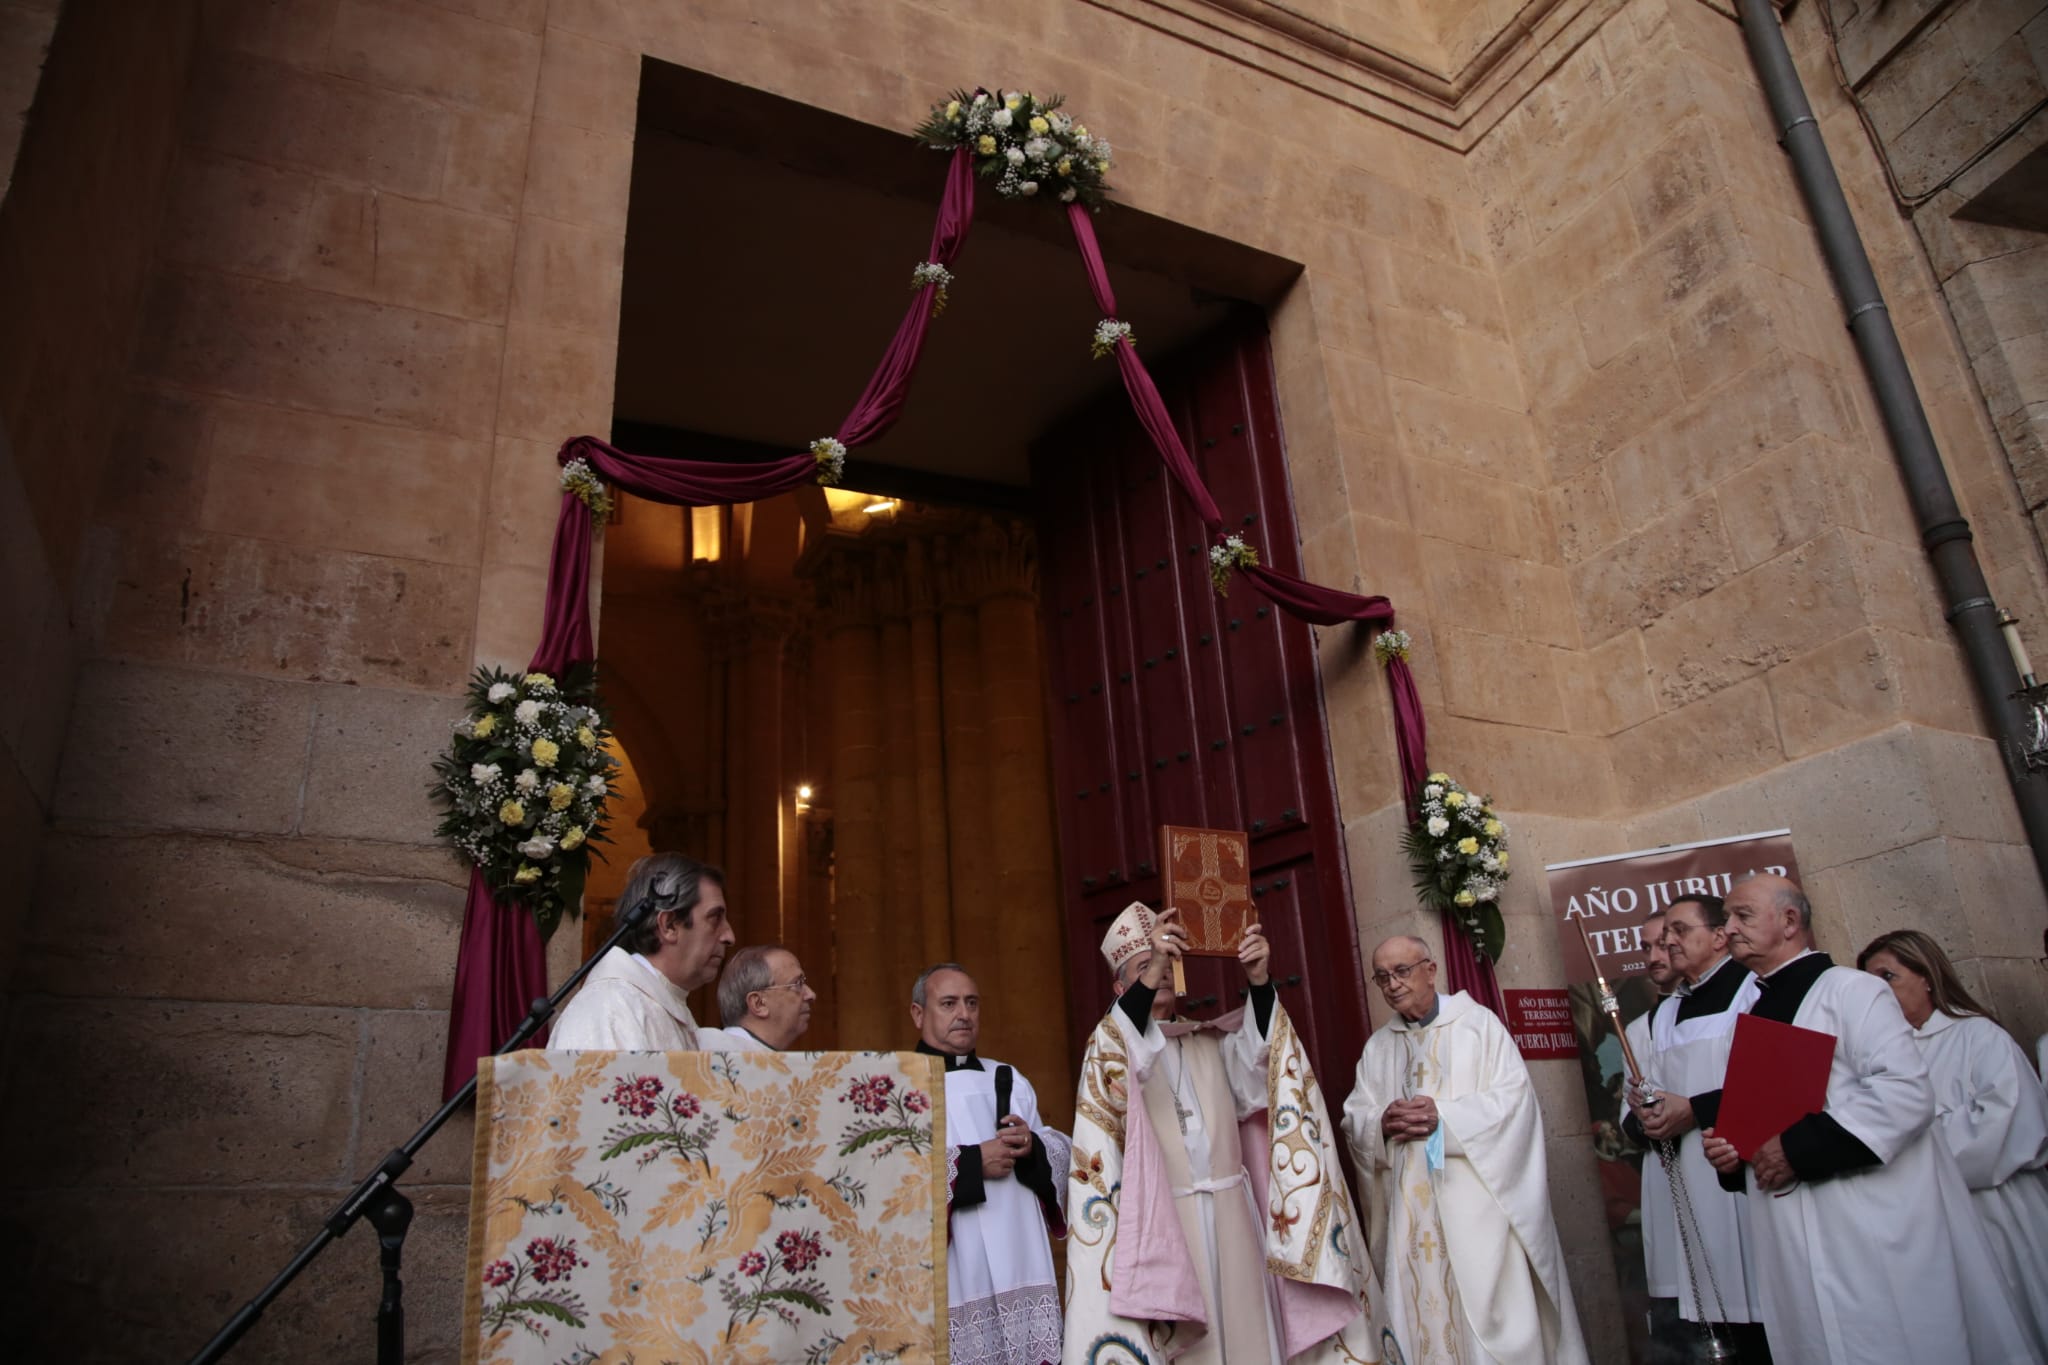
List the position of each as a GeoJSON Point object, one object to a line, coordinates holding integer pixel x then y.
{"type": "Point", "coordinates": [1600, 906]}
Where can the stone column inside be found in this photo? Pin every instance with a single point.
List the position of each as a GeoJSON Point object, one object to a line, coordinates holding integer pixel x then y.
{"type": "Point", "coordinates": [853, 646]}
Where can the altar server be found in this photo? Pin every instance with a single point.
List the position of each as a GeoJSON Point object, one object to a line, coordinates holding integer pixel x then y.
{"type": "Point", "coordinates": [1988, 1105]}
{"type": "Point", "coordinates": [1446, 1134]}
{"type": "Point", "coordinates": [635, 999]}
{"type": "Point", "coordinates": [1213, 1222]}
{"type": "Point", "coordinates": [1006, 1186]}
{"type": "Point", "coordinates": [1867, 1248]}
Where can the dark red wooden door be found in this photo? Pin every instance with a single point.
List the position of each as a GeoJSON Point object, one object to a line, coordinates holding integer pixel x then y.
{"type": "Point", "coordinates": [1171, 705]}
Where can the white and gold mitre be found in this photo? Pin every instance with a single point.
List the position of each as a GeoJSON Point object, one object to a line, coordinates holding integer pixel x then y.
{"type": "Point", "coordinates": [1129, 935]}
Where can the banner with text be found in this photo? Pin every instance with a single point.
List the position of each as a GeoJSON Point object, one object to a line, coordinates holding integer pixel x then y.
{"type": "Point", "coordinates": [1600, 905]}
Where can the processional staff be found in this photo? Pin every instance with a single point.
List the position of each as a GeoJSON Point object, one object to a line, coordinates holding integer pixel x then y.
{"type": "Point", "coordinates": [1715, 1349]}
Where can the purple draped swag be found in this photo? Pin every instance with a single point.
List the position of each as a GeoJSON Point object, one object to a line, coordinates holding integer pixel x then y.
{"type": "Point", "coordinates": [501, 966]}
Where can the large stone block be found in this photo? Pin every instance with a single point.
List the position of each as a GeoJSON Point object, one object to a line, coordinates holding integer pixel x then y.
{"type": "Point", "coordinates": [1967, 783]}
{"type": "Point", "coordinates": [1910, 887]}
{"type": "Point", "coordinates": [312, 480]}
{"type": "Point", "coordinates": [1358, 392]}
{"type": "Point", "coordinates": [1607, 688]}
{"type": "Point", "coordinates": [1600, 237]}
{"type": "Point", "coordinates": [318, 123]}
{"type": "Point", "coordinates": [1610, 407]}
{"type": "Point", "coordinates": [1841, 691]}
{"type": "Point", "coordinates": [1935, 686]}
{"type": "Point", "coordinates": [1493, 677]}
{"type": "Point", "coordinates": [402, 1087]}
{"type": "Point", "coordinates": [1566, 774]}
{"type": "Point", "coordinates": [1582, 507]}
{"type": "Point", "coordinates": [179, 748]}
{"type": "Point", "coordinates": [1462, 360]}
{"type": "Point", "coordinates": [188, 1094]}
{"type": "Point", "coordinates": [1470, 509]}
{"type": "Point", "coordinates": [1755, 621]}
{"type": "Point", "coordinates": [1696, 748]}
{"type": "Point", "coordinates": [557, 383]}
{"type": "Point", "coordinates": [267, 608]}
{"type": "Point", "coordinates": [371, 763]}
{"type": "Point", "coordinates": [1671, 269]}
{"type": "Point", "coordinates": [287, 922]}
{"type": "Point", "coordinates": [486, 161]}
{"type": "Point", "coordinates": [2016, 989]}
{"type": "Point", "coordinates": [115, 1278]}
{"type": "Point", "coordinates": [237, 215]}
{"type": "Point", "coordinates": [295, 33]}
{"type": "Point", "coordinates": [1671, 561]}
{"type": "Point", "coordinates": [439, 53]}
{"type": "Point", "coordinates": [568, 276]}
{"type": "Point", "coordinates": [1502, 596]}
{"type": "Point", "coordinates": [1852, 802]}
{"type": "Point", "coordinates": [298, 348]}
{"type": "Point", "coordinates": [2002, 899]}
{"type": "Point", "coordinates": [576, 175]}
{"type": "Point", "coordinates": [1467, 433]}
{"type": "Point", "coordinates": [407, 252]}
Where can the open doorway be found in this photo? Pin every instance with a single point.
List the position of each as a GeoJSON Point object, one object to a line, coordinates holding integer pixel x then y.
{"type": "Point", "coordinates": [842, 696]}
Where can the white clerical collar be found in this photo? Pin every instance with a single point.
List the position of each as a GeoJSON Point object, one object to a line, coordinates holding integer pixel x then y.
{"type": "Point", "coordinates": [1766, 976]}
{"type": "Point", "coordinates": [1688, 987]}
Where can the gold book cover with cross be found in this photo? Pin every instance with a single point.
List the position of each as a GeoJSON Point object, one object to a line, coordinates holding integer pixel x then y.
{"type": "Point", "coordinates": [1206, 874]}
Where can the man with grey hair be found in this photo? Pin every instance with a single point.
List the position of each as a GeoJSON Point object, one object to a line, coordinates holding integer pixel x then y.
{"type": "Point", "coordinates": [635, 999]}
{"type": "Point", "coordinates": [764, 999]}
{"type": "Point", "coordinates": [1006, 1186]}
{"type": "Point", "coordinates": [1867, 1248]}
{"type": "Point", "coordinates": [1448, 1141]}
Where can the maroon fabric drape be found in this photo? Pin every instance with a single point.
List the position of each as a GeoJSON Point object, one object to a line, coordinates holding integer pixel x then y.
{"type": "Point", "coordinates": [501, 965]}
{"type": "Point", "coordinates": [1468, 968]}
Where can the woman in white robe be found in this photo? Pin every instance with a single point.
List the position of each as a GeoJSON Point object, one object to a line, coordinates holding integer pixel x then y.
{"type": "Point", "coordinates": [1989, 1107]}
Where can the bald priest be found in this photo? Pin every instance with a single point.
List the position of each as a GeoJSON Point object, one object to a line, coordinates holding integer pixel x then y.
{"type": "Point", "coordinates": [1208, 1216]}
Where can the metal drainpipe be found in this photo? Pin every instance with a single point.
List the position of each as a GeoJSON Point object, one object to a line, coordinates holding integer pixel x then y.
{"type": "Point", "coordinates": [1943, 530]}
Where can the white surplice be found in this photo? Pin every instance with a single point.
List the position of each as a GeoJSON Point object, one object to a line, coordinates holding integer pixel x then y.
{"type": "Point", "coordinates": [1888, 1263]}
{"type": "Point", "coordinates": [731, 1038]}
{"type": "Point", "coordinates": [1993, 1115]}
{"type": "Point", "coordinates": [1003, 1301]}
{"type": "Point", "coordinates": [1691, 1058]}
{"type": "Point", "coordinates": [626, 1005]}
{"type": "Point", "coordinates": [1472, 1270]}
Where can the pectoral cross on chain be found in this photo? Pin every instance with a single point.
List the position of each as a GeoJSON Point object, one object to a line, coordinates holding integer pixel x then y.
{"type": "Point", "coordinates": [1182, 1113]}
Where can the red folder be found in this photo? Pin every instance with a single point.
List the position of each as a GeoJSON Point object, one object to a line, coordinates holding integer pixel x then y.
{"type": "Point", "coordinates": [1777, 1075]}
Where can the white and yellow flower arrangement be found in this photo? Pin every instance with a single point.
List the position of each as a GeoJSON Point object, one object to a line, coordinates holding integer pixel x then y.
{"type": "Point", "coordinates": [1458, 849]}
{"type": "Point", "coordinates": [525, 784]}
{"type": "Point", "coordinates": [1025, 143]}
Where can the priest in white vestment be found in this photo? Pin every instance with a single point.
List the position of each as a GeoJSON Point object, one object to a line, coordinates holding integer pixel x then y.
{"type": "Point", "coordinates": [1868, 1250]}
{"type": "Point", "coordinates": [1688, 1037]}
{"type": "Point", "coordinates": [1446, 1133]}
{"type": "Point", "coordinates": [1006, 1186]}
{"type": "Point", "coordinates": [1210, 1218]}
{"type": "Point", "coordinates": [636, 997]}
{"type": "Point", "coordinates": [764, 1000]}
{"type": "Point", "coordinates": [1988, 1105]}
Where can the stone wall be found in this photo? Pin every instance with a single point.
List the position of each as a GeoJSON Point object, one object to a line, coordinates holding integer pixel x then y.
{"type": "Point", "coordinates": [1562, 376]}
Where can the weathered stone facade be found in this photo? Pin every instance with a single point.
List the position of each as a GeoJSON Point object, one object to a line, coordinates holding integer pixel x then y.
{"type": "Point", "coordinates": [297, 298]}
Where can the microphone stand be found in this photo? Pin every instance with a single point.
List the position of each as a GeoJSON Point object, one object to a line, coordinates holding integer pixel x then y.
{"type": "Point", "coordinates": [378, 1198]}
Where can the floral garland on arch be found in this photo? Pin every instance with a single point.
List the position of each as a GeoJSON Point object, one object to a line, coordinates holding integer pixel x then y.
{"type": "Point", "coordinates": [1458, 849]}
{"type": "Point", "coordinates": [525, 782]}
{"type": "Point", "coordinates": [1024, 143]}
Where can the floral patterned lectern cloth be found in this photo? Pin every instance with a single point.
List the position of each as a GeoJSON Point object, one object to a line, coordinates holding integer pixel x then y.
{"type": "Point", "coordinates": [707, 1206]}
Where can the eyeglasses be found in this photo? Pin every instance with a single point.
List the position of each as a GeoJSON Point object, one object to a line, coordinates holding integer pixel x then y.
{"type": "Point", "coordinates": [1401, 973]}
{"type": "Point", "coordinates": [799, 985]}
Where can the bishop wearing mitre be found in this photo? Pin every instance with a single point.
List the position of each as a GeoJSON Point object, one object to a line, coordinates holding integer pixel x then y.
{"type": "Point", "coordinates": [1208, 1217]}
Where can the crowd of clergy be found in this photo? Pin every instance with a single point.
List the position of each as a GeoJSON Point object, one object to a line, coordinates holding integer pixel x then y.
{"type": "Point", "coordinates": [1208, 1218]}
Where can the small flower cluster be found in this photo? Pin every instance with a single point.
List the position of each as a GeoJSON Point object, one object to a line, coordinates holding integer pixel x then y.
{"type": "Point", "coordinates": [1458, 851]}
{"type": "Point", "coordinates": [635, 1095]}
{"type": "Point", "coordinates": [1109, 334]}
{"type": "Point", "coordinates": [579, 478]}
{"type": "Point", "coordinates": [753, 1264]}
{"type": "Point", "coordinates": [553, 1258]}
{"type": "Point", "coordinates": [799, 1250]}
{"type": "Point", "coordinates": [932, 273]}
{"type": "Point", "coordinates": [1224, 559]}
{"type": "Point", "coordinates": [871, 1095]}
{"type": "Point", "coordinates": [525, 783]}
{"type": "Point", "coordinates": [831, 457]}
{"type": "Point", "coordinates": [1025, 143]}
{"type": "Point", "coordinates": [1390, 645]}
